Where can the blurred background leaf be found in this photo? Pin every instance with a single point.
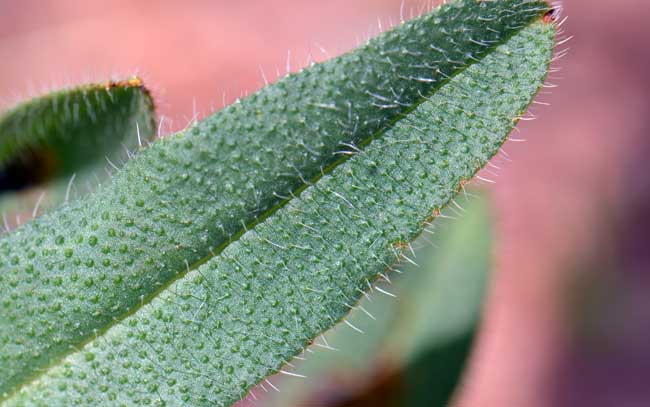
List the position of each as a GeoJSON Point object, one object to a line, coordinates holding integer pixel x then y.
{"type": "Point", "coordinates": [69, 141]}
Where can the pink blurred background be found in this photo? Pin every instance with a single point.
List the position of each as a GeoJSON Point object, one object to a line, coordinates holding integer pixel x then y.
{"type": "Point", "coordinates": [568, 319]}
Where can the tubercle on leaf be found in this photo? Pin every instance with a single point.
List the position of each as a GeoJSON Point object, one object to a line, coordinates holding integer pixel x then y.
{"type": "Point", "coordinates": [400, 245]}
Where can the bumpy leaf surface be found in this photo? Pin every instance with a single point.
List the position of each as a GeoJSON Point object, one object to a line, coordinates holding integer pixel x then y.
{"type": "Point", "coordinates": [207, 263]}
{"type": "Point", "coordinates": [414, 345]}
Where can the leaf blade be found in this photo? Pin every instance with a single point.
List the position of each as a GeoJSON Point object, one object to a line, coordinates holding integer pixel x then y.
{"type": "Point", "coordinates": [190, 195]}
{"type": "Point", "coordinates": [381, 181]}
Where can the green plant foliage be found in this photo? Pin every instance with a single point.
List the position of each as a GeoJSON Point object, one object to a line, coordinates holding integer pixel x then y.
{"type": "Point", "coordinates": [413, 346]}
{"type": "Point", "coordinates": [46, 141]}
{"type": "Point", "coordinates": [217, 254]}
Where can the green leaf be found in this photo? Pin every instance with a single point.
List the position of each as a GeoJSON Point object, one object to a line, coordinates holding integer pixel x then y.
{"type": "Point", "coordinates": [46, 141]}
{"type": "Point", "coordinates": [208, 263]}
{"type": "Point", "coordinates": [415, 345]}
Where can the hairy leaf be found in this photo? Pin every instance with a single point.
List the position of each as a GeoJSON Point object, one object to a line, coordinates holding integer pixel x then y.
{"type": "Point", "coordinates": [414, 345]}
{"type": "Point", "coordinates": [206, 264]}
{"type": "Point", "coordinates": [46, 141]}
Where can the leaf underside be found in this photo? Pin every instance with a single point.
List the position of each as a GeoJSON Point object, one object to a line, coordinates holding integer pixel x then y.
{"type": "Point", "coordinates": [78, 132]}
{"type": "Point", "coordinates": [207, 264]}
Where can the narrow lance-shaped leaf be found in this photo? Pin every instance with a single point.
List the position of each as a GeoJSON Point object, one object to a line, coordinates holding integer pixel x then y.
{"type": "Point", "coordinates": [100, 257]}
{"type": "Point", "coordinates": [226, 324]}
{"type": "Point", "coordinates": [47, 140]}
{"type": "Point", "coordinates": [72, 273]}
